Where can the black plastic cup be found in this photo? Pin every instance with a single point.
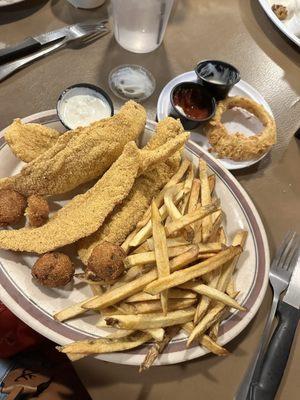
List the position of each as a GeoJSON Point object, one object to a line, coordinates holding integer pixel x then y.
{"type": "Point", "coordinates": [208, 101]}
{"type": "Point", "coordinates": [68, 91]}
{"type": "Point", "coordinates": [205, 71]}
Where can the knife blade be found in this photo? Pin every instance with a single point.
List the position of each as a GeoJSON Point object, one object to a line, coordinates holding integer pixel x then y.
{"type": "Point", "coordinates": [277, 354]}
{"type": "Point", "coordinates": [32, 44]}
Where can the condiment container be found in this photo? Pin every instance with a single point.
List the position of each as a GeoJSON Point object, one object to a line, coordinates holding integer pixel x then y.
{"type": "Point", "coordinates": [217, 77]}
{"type": "Point", "coordinates": [82, 104]}
{"type": "Point", "coordinates": [86, 3]}
{"type": "Point", "coordinates": [192, 104]}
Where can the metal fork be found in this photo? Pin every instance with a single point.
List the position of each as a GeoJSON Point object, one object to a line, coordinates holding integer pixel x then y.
{"type": "Point", "coordinates": [79, 32]}
{"type": "Point", "coordinates": [280, 274]}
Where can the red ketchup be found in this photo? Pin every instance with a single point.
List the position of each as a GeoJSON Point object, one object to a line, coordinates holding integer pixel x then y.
{"type": "Point", "coordinates": [191, 102]}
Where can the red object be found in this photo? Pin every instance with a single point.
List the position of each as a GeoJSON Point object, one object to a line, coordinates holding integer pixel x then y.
{"type": "Point", "coordinates": [15, 336]}
{"type": "Point", "coordinates": [191, 101]}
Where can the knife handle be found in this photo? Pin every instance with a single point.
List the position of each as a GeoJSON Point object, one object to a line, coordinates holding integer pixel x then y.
{"type": "Point", "coordinates": [29, 45]}
{"type": "Point", "coordinates": [277, 354]}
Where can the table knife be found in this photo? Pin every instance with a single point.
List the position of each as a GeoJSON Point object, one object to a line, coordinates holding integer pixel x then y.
{"type": "Point", "coordinates": [277, 354]}
{"type": "Point", "coordinates": [32, 44]}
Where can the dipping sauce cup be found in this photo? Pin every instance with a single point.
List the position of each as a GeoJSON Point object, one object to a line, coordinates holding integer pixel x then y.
{"type": "Point", "coordinates": [191, 103]}
{"type": "Point", "coordinates": [217, 77]}
{"type": "Point", "coordinates": [82, 104]}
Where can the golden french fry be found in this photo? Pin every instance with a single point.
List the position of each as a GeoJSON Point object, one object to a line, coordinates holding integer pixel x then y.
{"type": "Point", "coordinates": [176, 178]}
{"type": "Point", "coordinates": [187, 189]}
{"type": "Point", "coordinates": [190, 218]}
{"type": "Point", "coordinates": [213, 294]}
{"type": "Point", "coordinates": [150, 321]}
{"type": "Point", "coordinates": [119, 293]}
{"type": "Point", "coordinates": [201, 308]}
{"type": "Point", "coordinates": [212, 247]}
{"type": "Point", "coordinates": [142, 248]}
{"type": "Point", "coordinates": [227, 270]}
{"type": "Point", "coordinates": [171, 242]}
{"type": "Point", "coordinates": [222, 236]}
{"type": "Point", "coordinates": [131, 274]}
{"type": "Point", "coordinates": [71, 311]}
{"type": "Point", "coordinates": [197, 228]}
{"type": "Point", "coordinates": [217, 219]}
{"type": "Point", "coordinates": [146, 307]}
{"type": "Point", "coordinates": [103, 345]}
{"type": "Point", "coordinates": [230, 290]}
{"type": "Point", "coordinates": [175, 214]}
{"type": "Point", "coordinates": [118, 334]}
{"type": "Point", "coordinates": [146, 231]}
{"type": "Point", "coordinates": [173, 294]}
{"type": "Point", "coordinates": [161, 252]}
{"type": "Point", "coordinates": [206, 322]}
{"type": "Point", "coordinates": [158, 347]}
{"type": "Point", "coordinates": [149, 257]}
{"type": "Point", "coordinates": [185, 165]}
{"type": "Point", "coordinates": [96, 289]}
{"type": "Point", "coordinates": [194, 196]}
{"type": "Point", "coordinates": [206, 341]}
{"type": "Point", "coordinates": [126, 244]}
{"type": "Point", "coordinates": [205, 199]}
{"type": "Point", "coordinates": [81, 277]}
{"type": "Point", "coordinates": [156, 334]}
{"type": "Point", "coordinates": [202, 268]}
{"type": "Point", "coordinates": [212, 183]}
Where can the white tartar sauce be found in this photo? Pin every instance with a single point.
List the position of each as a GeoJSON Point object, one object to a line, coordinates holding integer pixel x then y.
{"type": "Point", "coordinates": [83, 109]}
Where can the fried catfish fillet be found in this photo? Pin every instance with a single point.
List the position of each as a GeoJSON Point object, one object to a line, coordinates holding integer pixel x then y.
{"type": "Point", "coordinates": [85, 213]}
{"type": "Point", "coordinates": [124, 218]}
{"type": "Point", "coordinates": [80, 155]}
{"type": "Point", "coordinates": [29, 141]}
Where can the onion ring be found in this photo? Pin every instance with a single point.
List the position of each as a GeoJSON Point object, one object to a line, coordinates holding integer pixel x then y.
{"type": "Point", "coordinates": [237, 146]}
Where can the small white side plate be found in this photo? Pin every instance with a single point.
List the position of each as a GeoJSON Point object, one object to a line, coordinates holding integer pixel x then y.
{"type": "Point", "coordinates": [234, 121]}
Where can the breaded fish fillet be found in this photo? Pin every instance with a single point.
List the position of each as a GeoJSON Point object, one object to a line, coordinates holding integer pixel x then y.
{"type": "Point", "coordinates": [28, 141]}
{"type": "Point", "coordinates": [124, 218]}
{"type": "Point", "coordinates": [80, 155]}
{"type": "Point", "coordinates": [85, 213]}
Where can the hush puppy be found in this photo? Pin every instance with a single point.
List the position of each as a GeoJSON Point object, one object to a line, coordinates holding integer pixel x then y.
{"type": "Point", "coordinates": [53, 270]}
{"type": "Point", "coordinates": [12, 207]}
{"type": "Point", "coordinates": [106, 262]}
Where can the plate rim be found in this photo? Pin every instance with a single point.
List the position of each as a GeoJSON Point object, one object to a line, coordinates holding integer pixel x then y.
{"type": "Point", "coordinates": [242, 83]}
{"type": "Point", "coordinates": [133, 357]}
{"type": "Point", "coordinates": [268, 10]}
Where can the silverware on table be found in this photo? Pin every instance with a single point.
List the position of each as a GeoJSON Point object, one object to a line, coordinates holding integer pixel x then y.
{"type": "Point", "coordinates": [31, 44]}
{"type": "Point", "coordinates": [280, 274]}
{"type": "Point", "coordinates": [265, 386]}
{"type": "Point", "coordinates": [80, 33]}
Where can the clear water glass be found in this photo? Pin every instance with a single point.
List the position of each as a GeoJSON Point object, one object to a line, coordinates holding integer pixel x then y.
{"type": "Point", "coordinates": [139, 25]}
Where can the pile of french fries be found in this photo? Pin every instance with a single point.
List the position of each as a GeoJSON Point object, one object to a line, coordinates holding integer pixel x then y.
{"type": "Point", "coordinates": [179, 275]}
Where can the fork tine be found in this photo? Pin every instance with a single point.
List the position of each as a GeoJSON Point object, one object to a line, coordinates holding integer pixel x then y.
{"type": "Point", "coordinates": [93, 36]}
{"type": "Point", "coordinates": [294, 260]}
{"type": "Point", "coordinates": [92, 24]}
{"type": "Point", "coordinates": [281, 253]}
{"type": "Point", "coordinates": [293, 254]}
{"type": "Point", "coordinates": [283, 259]}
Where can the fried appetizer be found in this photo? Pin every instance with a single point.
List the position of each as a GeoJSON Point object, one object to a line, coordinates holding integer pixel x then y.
{"type": "Point", "coordinates": [28, 141]}
{"type": "Point", "coordinates": [85, 213]}
{"type": "Point", "coordinates": [237, 146]}
{"type": "Point", "coordinates": [125, 216]}
{"type": "Point", "coordinates": [280, 11]}
{"type": "Point", "coordinates": [12, 207]}
{"type": "Point", "coordinates": [37, 210]}
{"type": "Point", "coordinates": [80, 155]}
{"type": "Point", "coordinates": [53, 270]}
{"type": "Point", "coordinates": [106, 262]}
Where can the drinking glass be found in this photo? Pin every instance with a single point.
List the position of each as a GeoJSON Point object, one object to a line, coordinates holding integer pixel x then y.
{"type": "Point", "coordinates": [139, 25]}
